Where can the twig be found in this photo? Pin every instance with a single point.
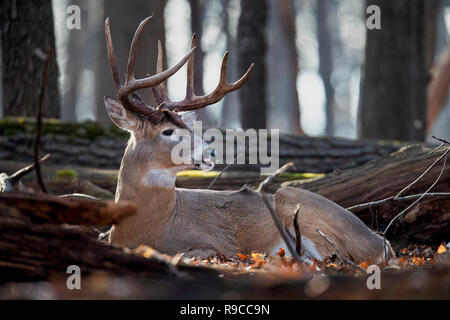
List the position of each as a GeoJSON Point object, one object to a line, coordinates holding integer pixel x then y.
{"type": "Point", "coordinates": [338, 254]}
{"type": "Point", "coordinates": [39, 122]}
{"type": "Point", "coordinates": [224, 169]}
{"type": "Point", "coordinates": [298, 236]}
{"type": "Point", "coordinates": [78, 195]}
{"type": "Point", "coordinates": [444, 155]}
{"type": "Point", "coordinates": [16, 176]}
{"type": "Point", "coordinates": [103, 235]}
{"type": "Point", "coordinates": [372, 204]}
{"type": "Point", "coordinates": [420, 198]}
{"type": "Point", "coordinates": [441, 140]}
{"type": "Point", "coordinates": [287, 238]}
{"type": "Point", "coordinates": [423, 174]}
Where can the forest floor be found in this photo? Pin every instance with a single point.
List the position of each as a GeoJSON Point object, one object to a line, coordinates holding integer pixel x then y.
{"type": "Point", "coordinates": [418, 272]}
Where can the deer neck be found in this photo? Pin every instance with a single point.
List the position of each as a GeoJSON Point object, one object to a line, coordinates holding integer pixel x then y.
{"type": "Point", "coordinates": [152, 188]}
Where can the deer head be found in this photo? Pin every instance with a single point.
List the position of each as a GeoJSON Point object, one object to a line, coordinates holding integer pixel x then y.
{"type": "Point", "coordinates": [156, 130]}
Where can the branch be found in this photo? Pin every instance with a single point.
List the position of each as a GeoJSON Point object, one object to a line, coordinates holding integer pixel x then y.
{"type": "Point", "coordinates": [8, 182]}
{"type": "Point", "coordinates": [423, 195]}
{"type": "Point", "coordinates": [39, 122]}
{"type": "Point", "coordinates": [444, 155]}
{"type": "Point", "coordinates": [298, 236]}
{"type": "Point", "coordinates": [338, 254]}
{"type": "Point", "coordinates": [373, 204]}
{"type": "Point", "coordinates": [287, 238]}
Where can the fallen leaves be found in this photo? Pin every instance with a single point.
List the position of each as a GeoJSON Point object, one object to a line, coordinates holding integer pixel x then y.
{"type": "Point", "coordinates": [364, 265]}
{"type": "Point", "coordinates": [282, 266]}
{"type": "Point", "coordinates": [442, 249]}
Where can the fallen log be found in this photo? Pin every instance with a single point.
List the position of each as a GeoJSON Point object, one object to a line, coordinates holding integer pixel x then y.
{"type": "Point", "coordinates": [32, 251]}
{"type": "Point", "coordinates": [429, 221]}
{"type": "Point", "coordinates": [68, 210]}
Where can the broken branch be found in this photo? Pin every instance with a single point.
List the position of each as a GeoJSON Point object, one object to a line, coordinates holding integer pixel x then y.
{"type": "Point", "coordinates": [338, 254]}
{"type": "Point", "coordinates": [39, 122]}
{"type": "Point", "coordinates": [287, 238]}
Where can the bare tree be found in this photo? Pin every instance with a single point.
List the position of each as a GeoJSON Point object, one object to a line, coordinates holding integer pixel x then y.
{"type": "Point", "coordinates": [252, 47]}
{"type": "Point", "coordinates": [198, 8]}
{"type": "Point", "coordinates": [73, 67]}
{"type": "Point", "coordinates": [27, 31]}
{"type": "Point", "coordinates": [326, 60]}
{"type": "Point", "coordinates": [124, 17]}
{"type": "Point", "coordinates": [282, 67]}
{"type": "Point", "coordinates": [396, 71]}
{"type": "Point", "coordinates": [231, 104]}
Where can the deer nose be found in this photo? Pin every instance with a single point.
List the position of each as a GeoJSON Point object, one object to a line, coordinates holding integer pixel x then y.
{"type": "Point", "coordinates": [213, 153]}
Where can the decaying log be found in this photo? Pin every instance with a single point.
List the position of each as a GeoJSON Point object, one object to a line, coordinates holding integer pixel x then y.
{"type": "Point", "coordinates": [56, 210]}
{"type": "Point", "coordinates": [309, 154]}
{"type": "Point", "coordinates": [31, 251]}
{"type": "Point", "coordinates": [385, 177]}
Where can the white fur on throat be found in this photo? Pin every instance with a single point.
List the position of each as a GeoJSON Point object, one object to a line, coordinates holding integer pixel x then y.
{"type": "Point", "coordinates": [160, 178]}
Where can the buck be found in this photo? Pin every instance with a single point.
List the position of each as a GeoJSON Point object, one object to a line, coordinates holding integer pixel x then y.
{"type": "Point", "coordinates": [202, 223]}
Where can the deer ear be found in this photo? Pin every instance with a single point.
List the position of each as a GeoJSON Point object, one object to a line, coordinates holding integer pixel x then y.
{"type": "Point", "coordinates": [189, 118]}
{"type": "Point", "coordinates": [123, 118]}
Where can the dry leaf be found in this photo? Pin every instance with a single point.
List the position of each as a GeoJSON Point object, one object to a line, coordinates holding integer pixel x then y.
{"type": "Point", "coordinates": [442, 249]}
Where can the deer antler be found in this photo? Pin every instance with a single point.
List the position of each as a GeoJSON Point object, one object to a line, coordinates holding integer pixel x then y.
{"type": "Point", "coordinates": [125, 92]}
{"type": "Point", "coordinates": [191, 101]}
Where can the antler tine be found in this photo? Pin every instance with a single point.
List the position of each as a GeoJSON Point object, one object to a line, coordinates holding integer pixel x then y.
{"type": "Point", "coordinates": [133, 49]}
{"type": "Point", "coordinates": [132, 84]}
{"type": "Point", "coordinates": [190, 71]}
{"type": "Point", "coordinates": [154, 80]}
{"type": "Point", "coordinates": [111, 57]}
{"type": "Point", "coordinates": [197, 102]}
{"type": "Point", "coordinates": [160, 91]}
{"type": "Point", "coordinates": [239, 83]}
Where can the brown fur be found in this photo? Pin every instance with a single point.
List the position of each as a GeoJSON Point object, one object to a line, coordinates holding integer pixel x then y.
{"type": "Point", "coordinates": [204, 222]}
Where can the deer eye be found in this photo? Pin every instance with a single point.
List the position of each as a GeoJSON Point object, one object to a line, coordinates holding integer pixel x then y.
{"type": "Point", "coordinates": [168, 132]}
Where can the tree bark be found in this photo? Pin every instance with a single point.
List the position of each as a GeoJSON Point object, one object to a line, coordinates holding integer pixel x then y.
{"type": "Point", "coordinates": [282, 68]}
{"type": "Point", "coordinates": [326, 61]}
{"type": "Point", "coordinates": [31, 251]}
{"type": "Point", "coordinates": [231, 104]}
{"type": "Point", "coordinates": [27, 32]}
{"type": "Point", "coordinates": [70, 210]}
{"type": "Point", "coordinates": [125, 17]}
{"type": "Point", "coordinates": [395, 73]}
{"type": "Point", "coordinates": [251, 43]}
{"type": "Point", "coordinates": [438, 89]}
{"type": "Point", "coordinates": [198, 8]}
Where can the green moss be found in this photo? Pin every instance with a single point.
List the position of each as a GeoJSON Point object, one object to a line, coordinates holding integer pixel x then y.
{"type": "Point", "coordinates": [66, 174]}
{"type": "Point", "coordinates": [86, 130]}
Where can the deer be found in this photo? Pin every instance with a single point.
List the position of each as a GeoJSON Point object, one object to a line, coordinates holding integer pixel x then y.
{"type": "Point", "coordinates": [202, 223]}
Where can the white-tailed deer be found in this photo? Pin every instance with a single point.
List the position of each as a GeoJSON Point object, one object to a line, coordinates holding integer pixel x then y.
{"type": "Point", "coordinates": [204, 222]}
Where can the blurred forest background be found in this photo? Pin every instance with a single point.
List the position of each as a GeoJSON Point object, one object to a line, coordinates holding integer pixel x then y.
{"type": "Point", "coordinates": [319, 69]}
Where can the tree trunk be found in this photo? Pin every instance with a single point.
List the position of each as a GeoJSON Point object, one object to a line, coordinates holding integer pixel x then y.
{"type": "Point", "coordinates": [395, 73]}
{"type": "Point", "coordinates": [438, 89]}
{"type": "Point", "coordinates": [125, 17]}
{"type": "Point", "coordinates": [231, 104]}
{"type": "Point", "coordinates": [251, 43]}
{"type": "Point", "coordinates": [326, 61]}
{"type": "Point", "coordinates": [75, 63]}
{"type": "Point", "coordinates": [282, 67]}
{"type": "Point", "coordinates": [26, 34]}
{"type": "Point", "coordinates": [198, 8]}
